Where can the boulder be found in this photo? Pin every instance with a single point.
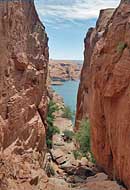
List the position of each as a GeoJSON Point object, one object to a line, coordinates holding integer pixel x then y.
{"type": "Point", "coordinates": [57, 153]}
{"type": "Point", "coordinates": [97, 177]}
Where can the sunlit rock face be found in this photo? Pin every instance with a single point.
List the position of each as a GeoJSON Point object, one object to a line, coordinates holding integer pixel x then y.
{"type": "Point", "coordinates": [23, 72]}
{"type": "Point", "coordinates": [104, 92]}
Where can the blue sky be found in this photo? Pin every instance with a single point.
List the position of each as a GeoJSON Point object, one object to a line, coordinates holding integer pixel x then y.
{"type": "Point", "coordinates": [67, 22]}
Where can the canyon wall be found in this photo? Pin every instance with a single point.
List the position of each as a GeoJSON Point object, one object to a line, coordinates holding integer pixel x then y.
{"type": "Point", "coordinates": [23, 99]}
{"type": "Point", "coordinates": [104, 92]}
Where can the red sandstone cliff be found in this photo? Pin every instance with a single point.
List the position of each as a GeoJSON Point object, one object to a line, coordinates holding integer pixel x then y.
{"type": "Point", "coordinates": [23, 72]}
{"type": "Point", "coordinates": [104, 92]}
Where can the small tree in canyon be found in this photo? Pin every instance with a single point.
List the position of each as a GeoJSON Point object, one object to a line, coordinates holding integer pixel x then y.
{"type": "Point", "coordinates": [83, 139]}
{"type": "Point", "coordinates": [52, 108]}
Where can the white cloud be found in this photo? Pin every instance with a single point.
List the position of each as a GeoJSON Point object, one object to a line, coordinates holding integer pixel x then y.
{"type": "Point", "coordinates": [74, 9]}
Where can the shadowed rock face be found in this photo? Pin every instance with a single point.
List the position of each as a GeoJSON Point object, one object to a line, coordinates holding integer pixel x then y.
{"type": "Point", "coordinates": [104, 92]}
{"type": "Point", "coordinates": [23, 72]}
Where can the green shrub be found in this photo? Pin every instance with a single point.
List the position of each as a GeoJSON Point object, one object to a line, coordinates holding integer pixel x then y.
{"type": "Point", "coordinates": [121, 46]}
{"type": "Point", "coordinates": [68, 135]}
{"type": "Point", "coordinates": [77, 154]}
{"type": "Point", "coordinates": [52, 108]}
{"type": "Point", "coordinates": [83, 139]}
{"type": "Point", "coordinates": [67, 113]}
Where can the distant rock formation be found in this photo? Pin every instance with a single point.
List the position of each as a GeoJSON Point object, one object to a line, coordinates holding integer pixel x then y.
{"type": "Point", "coordinates": [23, 72]}
{"type": "Point", "coordinates": [104, 92]}
{"type": "Point", "coordinates": [61, 70]}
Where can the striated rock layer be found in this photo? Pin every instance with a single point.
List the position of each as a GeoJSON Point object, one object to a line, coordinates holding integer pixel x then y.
{"type": "Point", "coordinates": [63, 70]}
{"type": "Point", "coordinates": [104, 92]}
{"type": "Point", "coordinates": [23, 72]}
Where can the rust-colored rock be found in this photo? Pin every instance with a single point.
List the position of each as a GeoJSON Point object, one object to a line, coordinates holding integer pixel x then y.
{"type": "Point", "coordinates": [23, 73]}
{"type": "Point", "coordinates": [104, 93]}
{"type": "Point", "coordinates": [93, 35]}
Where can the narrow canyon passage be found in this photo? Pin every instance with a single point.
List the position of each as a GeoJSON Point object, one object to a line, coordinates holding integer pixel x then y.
{"type": "Point", "coordinates": [64, 124]}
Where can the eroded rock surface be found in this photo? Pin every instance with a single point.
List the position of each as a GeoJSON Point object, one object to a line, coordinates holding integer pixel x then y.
{"type": "Point", "coordinates": [104, 93]}
{"type": "Point", "coordinates": [23, 72]}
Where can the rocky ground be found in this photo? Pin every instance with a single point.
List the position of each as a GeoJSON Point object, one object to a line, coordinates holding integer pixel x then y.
{"type": "Point", "coordinates": [70, 173]}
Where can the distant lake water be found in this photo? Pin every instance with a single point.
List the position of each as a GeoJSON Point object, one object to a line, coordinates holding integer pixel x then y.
{"type": "Point", "coordinates": [68, 91]}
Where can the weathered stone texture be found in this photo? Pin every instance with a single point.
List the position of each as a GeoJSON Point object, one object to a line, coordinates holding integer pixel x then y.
{"type": "Point", "coordinates": [23, 72]}
{"type": "Point", "coordinates": [104, 92]}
